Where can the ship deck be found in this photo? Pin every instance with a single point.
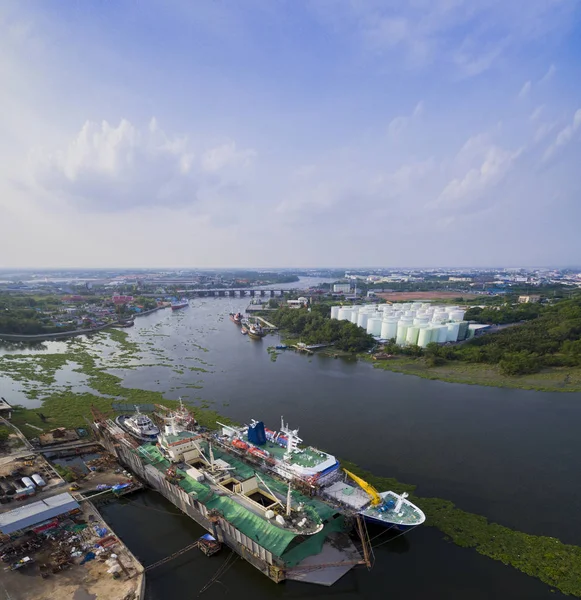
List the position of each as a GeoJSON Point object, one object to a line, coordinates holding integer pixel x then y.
{"type": "Point", "coordinates": [407, 515]}
{"type": "Point", "coordinates": [307, 458]}
{"type": "Point", "coordinates": [347, 495]}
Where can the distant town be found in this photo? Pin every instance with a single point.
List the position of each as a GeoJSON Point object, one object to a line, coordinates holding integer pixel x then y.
{"type": "Point", "coordinates": [53, 301]}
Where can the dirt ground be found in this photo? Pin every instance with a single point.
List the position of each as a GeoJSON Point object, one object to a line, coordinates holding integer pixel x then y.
{"type": "Point", "coordinates": [405, 296]}
{"type": "Point", "coordinates": [78, 582]}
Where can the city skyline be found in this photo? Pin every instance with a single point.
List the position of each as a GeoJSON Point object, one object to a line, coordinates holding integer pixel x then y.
{"type": "Point", "coordinates": [289, 134]}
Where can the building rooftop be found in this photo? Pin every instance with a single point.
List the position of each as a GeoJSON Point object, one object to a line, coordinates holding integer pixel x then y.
{"type": "Point", "coordinates": [31, 514]}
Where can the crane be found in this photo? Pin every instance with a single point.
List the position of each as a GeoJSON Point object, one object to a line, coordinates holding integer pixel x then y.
{"type": "Point", "coordinates": [373, 493]}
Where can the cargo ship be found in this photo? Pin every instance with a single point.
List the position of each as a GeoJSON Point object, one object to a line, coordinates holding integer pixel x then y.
{"type": "Point", "coordinates": [255, 331]}
{"type": "Point", "coordinates": [177, 304]}
{"type": "Point", "coordinates": [284, 532]}
{"type": "Point", "coordinates": [281, 452]}
{"type": "Point", "coordinates": [236, 318]}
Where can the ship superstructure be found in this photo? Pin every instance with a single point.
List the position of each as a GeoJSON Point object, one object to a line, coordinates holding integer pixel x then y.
{"type": "Point", "coordinates": [140, 426]}
{"type": "Point", "coordinates": [281, 452]}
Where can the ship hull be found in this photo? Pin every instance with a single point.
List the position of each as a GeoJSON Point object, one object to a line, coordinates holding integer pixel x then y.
{"type": "Point", "coordinates": [389, 525]}
{"type": "Point", "coordinates": [178, 306]}
{"type": "Point", "coordinates": [255, 336]}
{"type": "Point", "coordinates": [120, 420]}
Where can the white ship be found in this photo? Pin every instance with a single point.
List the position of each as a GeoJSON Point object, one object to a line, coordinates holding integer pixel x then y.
{"type": "Point", "coordinates": [282, 453]}
{"type": "Point", "coordinates": [140, 426]}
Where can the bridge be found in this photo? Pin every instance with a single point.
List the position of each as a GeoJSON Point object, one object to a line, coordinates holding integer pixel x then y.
{"type": "Point", "coordinates": [233, 292]}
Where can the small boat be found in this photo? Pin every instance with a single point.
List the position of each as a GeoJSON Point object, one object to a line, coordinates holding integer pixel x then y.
{"type": "Point", "coordinates": [256, 332]}
{"type": "Point", "coordinates": [281, 347]}
{"type": "Point", "coordinates": [388, 508]}
{"type": "Point", "coordinates": [140, 426]}
{"type": "Point", "coordinates": [177, 304]}
{"type": "Point", "coordinates": [236, 318]}
{"type": "Point", "coordinates": [244, 330]}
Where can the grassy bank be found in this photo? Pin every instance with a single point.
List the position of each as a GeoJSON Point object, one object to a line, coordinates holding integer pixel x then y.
{"type": "Point", "coordinates": [550, 379]}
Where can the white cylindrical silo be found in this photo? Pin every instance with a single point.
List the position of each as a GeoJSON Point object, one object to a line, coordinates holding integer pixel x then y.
{"type": "Point", "coordinates": [453, 332]}
{"type": "Point", "coordinates": [354, 316]}
{"type": "Point", "coordinates": [335, 312]}
{"type": "Point", "coordinates": [362, 319]}
{"type": "Point", "coordinates": [412, 335]}
{"type": "Point", "coordinates": [402, 329]}
{"type": "Point", "coordinates": [423, 336]}
{"type": "Point", "coordinates": [344, 314]}
{"type": "Point", "coordinates": [457, 315]}
{"type": "Point", "coordinates": [374, 326]}
{"type": "Point", "coordinates": [442, 334]}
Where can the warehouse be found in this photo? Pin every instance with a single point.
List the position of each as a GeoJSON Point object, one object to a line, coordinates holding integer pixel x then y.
{"type": "Point", "coordinates": [34, 514]}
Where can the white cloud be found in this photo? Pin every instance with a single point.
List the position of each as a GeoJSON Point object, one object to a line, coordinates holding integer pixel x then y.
{"type": "Point", "coordinates": [493, 165]}
{"type": "Point", "coordinates": [115, 168]}
{"type": "Point", "coordinates": [525, 90]}
{"type": "Point", "coordinates": [226, 155]}
{"type": "Point", "coordinates": [400, 123]}
{"type": "Point", "coordinates": [537, 113]}
{"type": "Point", "coordinates": [564, 136]}
{"type": "Point", "coordinates": [548, 75]}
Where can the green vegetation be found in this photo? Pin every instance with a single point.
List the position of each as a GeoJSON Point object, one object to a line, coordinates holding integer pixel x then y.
{"type": "Point", "coordinates": [508, 313]}
{"type": "Point", "coordinates": [546, 558]}
{"type": "Point", "coordinates": [29, 315]}
{"type": "Point", "coordinates": [316, 327]}
{"type": "Point", "coordinates": [4, 434]}
{"type": "Point", "coordinates": [548, 344]}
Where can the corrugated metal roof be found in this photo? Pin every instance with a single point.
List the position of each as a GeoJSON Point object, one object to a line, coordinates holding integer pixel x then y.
{"type": "Point", "coordinates": [30, 514]}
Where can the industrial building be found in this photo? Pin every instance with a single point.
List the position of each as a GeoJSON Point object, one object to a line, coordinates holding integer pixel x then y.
{"type": "Point", "coordinates": [341, 288]}
{"type": "Point", "coordinates": [408, 323]}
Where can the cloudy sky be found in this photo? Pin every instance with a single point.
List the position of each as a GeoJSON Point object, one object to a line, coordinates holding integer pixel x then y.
{"type": "Point", "coordinates": [219, 133]}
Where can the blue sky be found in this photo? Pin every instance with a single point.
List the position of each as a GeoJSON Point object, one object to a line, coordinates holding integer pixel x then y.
{"type": "Point", "coordinates": [218, 133]}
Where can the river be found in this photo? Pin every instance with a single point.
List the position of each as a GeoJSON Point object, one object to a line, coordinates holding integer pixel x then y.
{"type": "Point", "coordinates": [510, 455]}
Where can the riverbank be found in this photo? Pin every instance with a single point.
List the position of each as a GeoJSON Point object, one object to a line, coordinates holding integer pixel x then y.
{"type": "Point", "coordinates": [550, 379]}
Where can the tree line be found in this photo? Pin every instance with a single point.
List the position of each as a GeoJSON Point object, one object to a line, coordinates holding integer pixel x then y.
{"type": "Point", "coordinates": [315, 327]}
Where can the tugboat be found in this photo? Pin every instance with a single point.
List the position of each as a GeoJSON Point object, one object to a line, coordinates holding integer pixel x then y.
{"type": "Point", "coordinates": [140, 426]}
{"type": "Point", "coordinates": [236, 318]}
{"type": "Point", "coordinates": [256, 332]}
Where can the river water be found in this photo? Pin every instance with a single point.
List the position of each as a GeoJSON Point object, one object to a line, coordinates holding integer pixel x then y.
{"type": "Point", "coordinates": [510, 455]}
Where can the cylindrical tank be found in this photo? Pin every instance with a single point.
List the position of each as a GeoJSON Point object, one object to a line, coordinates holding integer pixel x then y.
{"type": "Point", "coordinates": [374, 326]}
{"type": "Point", "coordinates": [27, 482]}
{"type": "Point", "coordinates": [453, 332]}
{"type": "Point", "coordinates": [424, 336]}
{"type": "Point", "coordinates": [335, 312]}
{"type": "Point", "coordinates": [402, 329]}
{"type": "Point", "coordinates": [442, 334]}
{"type": "Point", "coordinates": [463, 330]}
{"type": "Point", "coordinates": [40, 482]}
{"type": "Point", "coordinates": [354, 316]}
{"type": "Point", "coordinates": [412, 335]}
{"type": "Point", "coordinates": [345, 314]}
{"type": "Point", "coordinates": [457, 315]}
{"type": "Point", "coordinates": [362, 319]}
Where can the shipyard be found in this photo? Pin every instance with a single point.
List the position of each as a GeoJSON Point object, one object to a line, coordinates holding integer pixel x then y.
{"type": "Point", "coordinates": [286, 510]}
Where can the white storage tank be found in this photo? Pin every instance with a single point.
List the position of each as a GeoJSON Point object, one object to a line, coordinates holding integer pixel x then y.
{"type": "Point", "coordinates": [442, 334]}
{"type": "Point", "coordinates": [402, 329]}
{"type": "Point", "coordinates": [40, 482]}
{"type": "Point", "coordinates": [453, 329]}
{"type": "Point", "coordinates": [423, 336]}
{"type": "Point", "coordinates": [342, 314]}
{"type": "Point", "coordinates": [457, 315]}
{"type": "Point", "coordinates": [335, 312]}
{"type": "Point", "coordinates": [28, 482]}
{"type": "Point", "coordinates": [354, 316]}
{"type": "Point", "coordinates": [362, 319]}
{"type": "Point", "coordinates": [374, 326]}
{"type": "Point", "coordinates": [412, 335]}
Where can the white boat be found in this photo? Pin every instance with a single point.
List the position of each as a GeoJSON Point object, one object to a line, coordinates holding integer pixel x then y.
{"type": "Point", "coordinates": [140, 426]}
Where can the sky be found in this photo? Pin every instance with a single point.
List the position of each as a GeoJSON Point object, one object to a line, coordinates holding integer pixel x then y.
{"type": "Point", "coordinates": [290, 133]}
